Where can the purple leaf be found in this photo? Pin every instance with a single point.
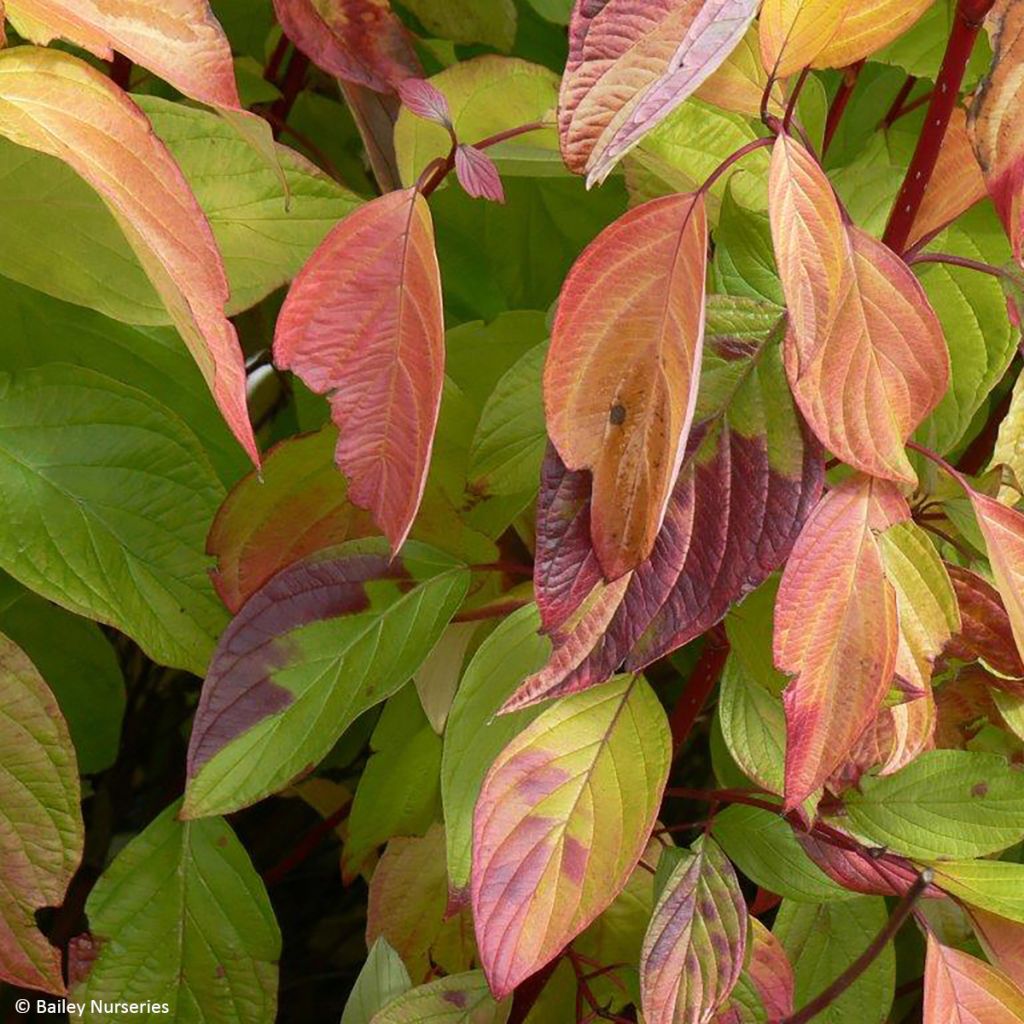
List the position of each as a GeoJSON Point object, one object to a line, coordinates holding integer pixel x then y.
{"type": "Point", "coordinates": [477, 174]}
{"type": "Point", "coordinates": [425, 100]}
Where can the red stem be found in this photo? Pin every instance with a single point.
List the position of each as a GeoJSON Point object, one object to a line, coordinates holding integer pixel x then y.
{"type": "Point", "coordinates": [896, 110]}
{"type": "Point", "coordinates": [966, 24]}
{"type": "Point", "coordinates": [273, 68]}
{"type": "Point", "coordinates": [839, 103]}
{"type": "Point", "coordinates": [527, 993]}
{"type": "Point", "coordinates": [697, 690]}
{"type": "Point", "coordinates": [294, 79]}
{"type": "Point", "coordinates": [306, 846]}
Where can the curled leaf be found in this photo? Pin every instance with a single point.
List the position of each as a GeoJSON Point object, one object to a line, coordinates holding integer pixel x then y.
{"type": "Point", "coordinates": [363, 324]}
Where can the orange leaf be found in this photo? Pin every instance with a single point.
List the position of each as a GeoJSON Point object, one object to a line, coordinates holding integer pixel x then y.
{"type": "Point", "coordinates": [956, 184]}
{"type": "Point", "coordinates": [865, 353]}
{"type": "Point", "coordinates": [961, 989]}
{"type": "Point", "coordinates": [836, 630]}
{"type": "Point", "coordinates": [1003, 530]}
{"type": "Point", "coordinates": [867, 26]}
{"type": "Point", "coordinates": [631, 63]}
{"type": "Point", "coordinates": [794, 32]}
{"type": "Point", "coordinates": [1003, 942]}
{"type": "Point", "coordinates": [363, 324]}
{"type": "Point", "coordinates": [996, 120]}
{"type": "Point", "coordinates": [620, 383]}
{"type": "Point", "coordinates": [179, 40]}
{"type": "Point", "coordinates": [59, 105]}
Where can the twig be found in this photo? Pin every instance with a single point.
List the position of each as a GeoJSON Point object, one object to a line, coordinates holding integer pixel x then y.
{"type": "Point", "coordinates": [306, 846]}
{"type": "Point", "coordinates": [294, 79]}
{"type": "Point", "coordinates": [896, 110]}
{"type": "Point", "coordinates": [527, 993]}
{"type": "Point", "coordinates": [839, 103]}
{"type": "Point", "coordinates": [698, 688]}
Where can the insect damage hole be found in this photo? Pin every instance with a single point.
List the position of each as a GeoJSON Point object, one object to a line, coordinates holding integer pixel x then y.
{"type": "Point", "coordinates": [617, 416]}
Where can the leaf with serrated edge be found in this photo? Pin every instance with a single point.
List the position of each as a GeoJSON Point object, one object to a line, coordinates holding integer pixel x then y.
{"type": "Point", "coordinates": [109, 142]}
{"type": "Point", "coordinates": [946, 803]}
{"type": "Point", "coordinates": [696, 942]}
{"type": "Point", "coordinates": [381, 979]}
{"type": "Point", "coordinates": [457, 999]}
{"type": "Point", "coordinates": [42, 823]}
{"type": "Point", "coordinates": [563, 816]}
{"type": "Point", "coordinates": [836, 630]}
{"type": "Point", "coordinates": [961, 989]}
{"type": "Point", "coordinates": [182, 917]}
{"type": "Point", "coordinates": [324, 640]}
{"type": "Point", "coordinates": [996, 120]}
{"type": "Point", "coordinates": [631, 63]}
{"type": "Point", "coordinates": [359, 41]}
{"type": "Point", "coordinates": [620, 382]}
{"type": "Point", "coordinates": [363, 324]}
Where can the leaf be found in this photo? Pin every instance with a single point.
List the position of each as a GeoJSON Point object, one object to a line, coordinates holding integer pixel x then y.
{"type": "Point", "coordinates": [985, 634]}
{"type": "Point", "coordinates": [398, 792]}
{"type": "Point", "coordinates": [383, 977]}
{"type": "Point", "coordinates": [763, 846]}
{"type": "Point", "coordinates": [744, 260]}
{"type": "Point", "coordinates": [947, 803]}
{"type": "Point", "coordinates": [993, 885]}
{"type": "Point", "coordinates": [69, 439]}
{"type": "Point", "coordinates": [476, 735]}
{"type": "Point", "coordinates": [696, 942]}
{"type": "Point", "coordinates": [631, 64]}
{"type": "Point", "coordinates": [871, 872]}
{"type": "Point", "coordinates": [42, 824]}
{"type": "Point", "coordinates": [836, 630]}
{"type": "Point", "coordinates": [477, 174]}
{"type": "Point", "coordinates": [749, 455]}
{"type": "Point", "coordinates": [437, 679]}
{"type": "Point", "coordinates": [359, 41]}
{"type": "Point", "coordinates": [995, 123]}
{"type": "Point", "coordinates": [961, 989]}
{"type": "Point", "coordinates": [593, 765]}
{"type": "Point", "coordinates": [1003, 530]}
{"type": "Point", "coordinates": [740, 80]}
{"type": "Point", "coordinates": [323, 641]}
{"type": "Point", "coordinates": [407, 906]}
{"type": "Point", "coordinates": [425, 100]}
{"type": "Point", "coordinates": [862, 385]}
{"type": "Point", "coordinates": [464, 21]}
{"type": "Point", "coordinates": [363, 324]}
{"type": "Point", "coordinates": [79, 666]}
{"type": "Point", "coordinates": [181, 917]}
{"type": "Point", "coordinates": [794, 32]}
{"type": "Point", "coordinates": [919, 51]}
{"type": "Point", "coordinates": [457, 999]}
{"type": "Point", "coordinates": [111, 145]}
{"type": "Point", "coordinates": [823, 941]}
{"type": "Point", "coordinates": [528, 93]}
{"type": "Point", "coordinates": [181, 42]}
{"type": "Point", "coordinates": [1003, 943]}
{"type": "Point", "coordinates": [767, 979]}
{"type": "Point", "coordinates": [627, 419]}
{"type": "Point", "coordinates": [866, 27]}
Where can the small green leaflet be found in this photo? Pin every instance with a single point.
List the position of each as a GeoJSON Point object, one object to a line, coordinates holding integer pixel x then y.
{"type": "Point", "coordinates": [382, 978]}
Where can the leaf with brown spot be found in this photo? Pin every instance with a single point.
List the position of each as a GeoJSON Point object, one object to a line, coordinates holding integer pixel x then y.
{"type": "Point", "coordinates": [456, 999]}
{"type": "Point", "coordinates": [696, 942]}
{"type": "Point", "coordinates": [562, 819]}
{"type": "Point", "coordinates": [836, 630]}
{"type": "Point", "coordinates": [631, 63]}
{"type": "Point", "coordinates": [41, 821]}
{"type": "Point", "coordinates": [620, 382]}
{"type": "Point", "coordinates": [363, 324]}
{"type": "Point", "coordinates": [961, 989]}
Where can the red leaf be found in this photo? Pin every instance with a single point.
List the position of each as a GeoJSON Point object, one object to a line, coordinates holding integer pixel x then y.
{"type": "Point", "coordinates": [359, 41]}
{"type": "Point", "coordinates": [363, 324]}
{"type": "Point", "coordinates": [961, 989]}
{"type": "Point", "coordinates": [631, 63]}
{"type": "Point", "coordinates": [1003, 942]}
{"type": "Point", "coordinates": [771, 976]}
{"type": "Point", "coordinates": [872, 873]}
{"type": "Point", "coordinates": [985, 632]}
{"type": "Point", "coordinates": [478, 174]}
{"type": "Point", "coordinates": [425, 100]}
{"type": "Point", "coordinates": [620, 382]}
{"type": "Point", "coordinates": [836, 630]}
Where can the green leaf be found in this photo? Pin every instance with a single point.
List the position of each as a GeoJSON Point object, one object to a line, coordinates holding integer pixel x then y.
{"type": "Point", "coordinates": [39, 329]}
{"type": "Point", "coordinates": [993, 885]}
{"type": "Point", "coordinates": [510, 440]}
{"type": "Point", "coordinates": [58, 236]}
{"type": "Point", "coordinates": [468, 21]}
{"type": "Point", "coordinates": [763, 847]}
{"type": "Point", "coordinates": [398, 792]}
{"type": "Point", "coordinates": [476, 734]}
{"type": "Point", "coordinates": [322, 641]}
{"type": "Point", "coordinates": [972, 309]}
{"type": "Point", "coordinates": [557, 11]}
{"type": "Point", "coordinates": [457, 999]}
{"type": "Point", "coordinates": [41, 820]}
{"type": "Point", "coordinates": [869, 183]}
{"type": "Point", "coordinates": [181, 917]}
{"type": "Point", "coordinates": [822, 941]}
{"type": "Point", "coordinates": [108, 497]}
{"type": "Point", "coordinates": [946, 803]}
{"type": "Point", "coordinates": [744, 262]}
{"type": "Point", "coordinates": [79, 666]}
{"type": "Point", "coordinates": [382, 978]}
{"type": "Point", "coordinates": [487, 95]}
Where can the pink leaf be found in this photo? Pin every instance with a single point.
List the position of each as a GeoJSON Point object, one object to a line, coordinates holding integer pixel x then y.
{"type": "Point", "coordinates": [363, 324]}
{"type": "Point", "coordinates": [477, 174]}
{"type": "Point", "coordinates": [425, 100]}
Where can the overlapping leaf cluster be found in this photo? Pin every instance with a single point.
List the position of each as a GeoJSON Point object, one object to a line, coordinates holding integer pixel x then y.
{"type": "Point", "coordinates": [569, 453]}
